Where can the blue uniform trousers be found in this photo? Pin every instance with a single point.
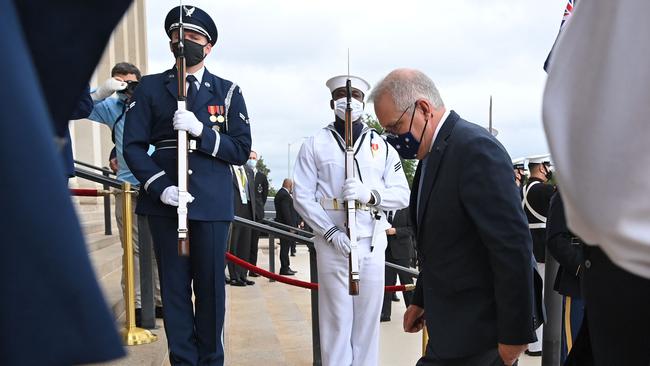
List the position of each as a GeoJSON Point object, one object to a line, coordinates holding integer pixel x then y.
{"type": "Point", "coordinates": [194, 337]}
{"type": "Point", "coordinates": [573, 311]}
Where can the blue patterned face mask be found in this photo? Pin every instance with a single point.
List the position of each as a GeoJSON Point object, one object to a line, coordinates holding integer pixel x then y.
{"type": "Point", "coordinates": [406, 144]}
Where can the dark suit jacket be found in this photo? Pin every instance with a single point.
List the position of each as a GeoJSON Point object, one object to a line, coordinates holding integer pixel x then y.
{"type": "Point", "coordinates": [400, 245]}
{"type": "Point", "coordinates": [476, 280]}
{"type": "Point", "coordinates": [566, 248]}
{"type": "Point", "coordinates": [249, 212]}
{"type": "Point", "coordinates": [284, 211]}
{"type": "Point", "coordinates": [261, 194]}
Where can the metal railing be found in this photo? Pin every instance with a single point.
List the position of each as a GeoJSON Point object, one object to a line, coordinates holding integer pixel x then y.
{"type": "Point", "coordinates": [106, 181]}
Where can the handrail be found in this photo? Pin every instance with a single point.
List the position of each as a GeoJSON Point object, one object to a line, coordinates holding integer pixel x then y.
{"type": "Point", "coordinates": [409, 271]}
{"type": "Point", "coordinates": [97, 178]}
{"type": "Point", "coordinates": [103, 170]}
{"type": "Point", "coordinates": [273, 230]}
{"type": "Point", "coordinates": [287, 227]}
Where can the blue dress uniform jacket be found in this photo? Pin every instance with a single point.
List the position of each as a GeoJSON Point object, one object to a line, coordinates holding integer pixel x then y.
{"type": "Point", "coordinates": [149, 121]}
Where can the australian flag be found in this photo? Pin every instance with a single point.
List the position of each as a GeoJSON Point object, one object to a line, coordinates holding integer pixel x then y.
{"type": "Point", "coordinates": [567, 14]}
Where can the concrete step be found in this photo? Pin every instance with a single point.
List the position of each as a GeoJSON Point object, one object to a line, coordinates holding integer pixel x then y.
{"type": "Point", "coordinates": [98, 241]}
{"type": "Point", "coordinates": [107, 260]}
{"type": "Point", "coordinates": [97, 226]}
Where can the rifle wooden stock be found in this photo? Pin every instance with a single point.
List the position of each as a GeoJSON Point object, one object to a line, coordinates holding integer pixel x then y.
{"type": "Point", "coordinates": [184, 247]}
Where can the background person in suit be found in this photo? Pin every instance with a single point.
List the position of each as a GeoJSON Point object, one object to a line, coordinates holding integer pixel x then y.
{"type": "Point", "coordinates": [240, 236]}
{"type": "Point", "coordinates": [261, 191]}
{"type": "Point", "coordinates": [285, 214]}
{"type": "Point", "coordinates": [400, 250]}
{"type": "Point", "coordinates": [475, 288]}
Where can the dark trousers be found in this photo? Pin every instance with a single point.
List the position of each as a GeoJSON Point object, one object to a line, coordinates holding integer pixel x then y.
{"type": "Point", "coordinates": [193, 330]}
{"type": "Point", "coordinates": [487, 358]}
{"type": "Point", "coordinates": [573, 311]}
{"type": "Point", "coordinates": [240, 245]}
{"type": "Point", "coordinates": [255, 237]}
{"type": "Point", "coordinates": [285, 246]}
{"type": "Point", "coordinates": [391, 279]}
{"type": "Point", "coordinates": [617, 304]}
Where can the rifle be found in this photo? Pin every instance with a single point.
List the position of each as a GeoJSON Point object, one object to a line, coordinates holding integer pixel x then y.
{"type": "Point", "coordinates": [182, 147]}
{"type": "Point", "coordinates": [350, 206]}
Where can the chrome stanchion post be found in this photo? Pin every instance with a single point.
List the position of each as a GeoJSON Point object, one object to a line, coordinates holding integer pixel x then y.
{"type": "Point", "coordinates": [131, 335]}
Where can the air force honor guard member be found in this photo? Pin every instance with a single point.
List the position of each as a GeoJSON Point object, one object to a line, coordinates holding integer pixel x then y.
{"type": "Point", "coordinates": [349, 325]}
{"type": "Point", "coordinates": [217, 122]}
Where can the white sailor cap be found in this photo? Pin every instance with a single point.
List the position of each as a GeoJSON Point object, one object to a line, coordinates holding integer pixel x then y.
{"type": "Point", "coordinates": [519, 163]}
{"type": "Point", "coordinates": [539, 159]}
{"type": "Point", "coordinates": [339, 82]}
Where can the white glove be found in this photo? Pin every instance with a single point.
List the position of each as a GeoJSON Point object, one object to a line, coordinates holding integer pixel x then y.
{"type": "Point", "coordinates": [353, 189]}
{"type": "Point", "coordinates": [341, 242]}
{"type": "Point", "coordinates": [110, 86]}
{"type": "Point", "coordinates": [170, 196]}
{"type": "Point", "coordinates": [187, 121]}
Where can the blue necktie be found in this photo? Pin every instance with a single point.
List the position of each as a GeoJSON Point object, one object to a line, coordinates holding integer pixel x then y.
{"type": "Point", "coordinates": [191, 91]}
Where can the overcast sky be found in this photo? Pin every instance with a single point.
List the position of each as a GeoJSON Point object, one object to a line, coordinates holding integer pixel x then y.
{"type": "Point", "coordinates": [282, 52]}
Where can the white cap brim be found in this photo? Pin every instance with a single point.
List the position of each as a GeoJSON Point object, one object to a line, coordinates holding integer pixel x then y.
{"type": "Point", "coordinates": [340, 81]}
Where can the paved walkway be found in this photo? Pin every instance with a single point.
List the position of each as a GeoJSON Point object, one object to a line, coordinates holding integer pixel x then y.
{"type": "Point", "coordinates": [269, 324]}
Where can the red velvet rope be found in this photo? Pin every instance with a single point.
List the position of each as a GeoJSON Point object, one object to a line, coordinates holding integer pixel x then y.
{"type": "Point", "coordinates": [291, 281]}
{"type": "Point", "coordinates": [86, 192]}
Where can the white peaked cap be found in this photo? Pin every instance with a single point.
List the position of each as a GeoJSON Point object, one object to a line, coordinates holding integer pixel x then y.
{"type": "Point", "coordinates": [339, 82]}
{"type": "Point", "coordinates": [539, 159]}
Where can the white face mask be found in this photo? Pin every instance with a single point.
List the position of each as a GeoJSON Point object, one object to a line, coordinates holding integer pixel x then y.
{"type": "Point", "coordinates": [341, 104]}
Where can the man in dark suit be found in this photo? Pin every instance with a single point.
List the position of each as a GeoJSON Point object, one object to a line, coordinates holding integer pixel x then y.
{"type": "Point", "coordinates": [240, 236]}
{"type": "Point", "coordinates": [261, 188]}
{"type": "Point", "coordinates": [475, 288]}
{"type": "Point", "coordinates": [285, 214]}
{"type": "Point", "coordinates": [400, 250]}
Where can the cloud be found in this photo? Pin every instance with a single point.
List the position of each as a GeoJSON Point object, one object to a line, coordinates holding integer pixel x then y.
{"type": "Point", "coordinates": [282, 52]}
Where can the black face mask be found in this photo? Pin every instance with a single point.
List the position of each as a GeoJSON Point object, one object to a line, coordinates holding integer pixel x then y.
{"type": "Point", "coordinates": [193, 52]}
{"type": "Point", "coordinates": [549, 173]}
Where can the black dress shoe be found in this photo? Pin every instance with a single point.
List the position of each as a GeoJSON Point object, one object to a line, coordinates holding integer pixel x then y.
{"type": "Point", "coordinates": [395, 298]}
{"type": "Point", "coordinates": [237, 283]}
{"type": "Point", "coordinates": [249, 282]}
{"type": "Point", "coordinates": [287, 272]}
{"type": "Point", "coordinates": [293, 254]}
{"type": "Point", "coordinates": [533, 353]}
{"type": "Point", "coordinates": [253, 274]}
{"type": "Point", "coordinates": [159, 312]}
{"type": "Point", "coordinates": [384, 318]}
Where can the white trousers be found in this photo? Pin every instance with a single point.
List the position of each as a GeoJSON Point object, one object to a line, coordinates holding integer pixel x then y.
{"type": "Point", "coordinates": [349, 325]}
{"type": "Point", "coordinates": [539, 332]}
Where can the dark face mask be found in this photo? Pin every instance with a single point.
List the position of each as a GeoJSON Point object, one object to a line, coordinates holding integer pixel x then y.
{"type": "Point", "coordinates": [549, 173]}
{"type": "Point", "coordinates": [193, 52]}
{"type": "Point", "coordinates": [406, 144]}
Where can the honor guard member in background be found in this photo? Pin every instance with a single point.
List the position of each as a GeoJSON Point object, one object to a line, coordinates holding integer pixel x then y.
{"type": "Point", "coordinates": [536, 199]}
{"type": "Point", "coordinates": [519, 168]}
{"type": "Point", "coordinates": [349, 325]}
{"type": "Point", "coordinates": [219, 133]}
{"type": "Point", "coordinates": [566, 248]}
